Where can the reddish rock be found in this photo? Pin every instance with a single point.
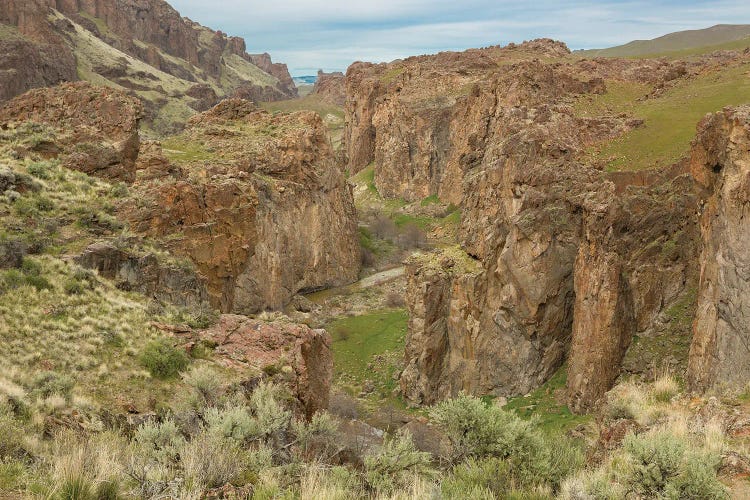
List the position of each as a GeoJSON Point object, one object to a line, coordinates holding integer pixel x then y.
{"type": "Point", "coordinates": [96, 128]}
{"type": "Point", "coordinates": [243, 342]}
{"type": "Point", "coordinates": [265, 217]}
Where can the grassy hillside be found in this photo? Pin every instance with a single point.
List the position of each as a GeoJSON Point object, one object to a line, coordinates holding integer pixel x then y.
{"type": "Point", "coordinates": [669, 117]}
{"type": "Point", "coordinates": [720, 36]}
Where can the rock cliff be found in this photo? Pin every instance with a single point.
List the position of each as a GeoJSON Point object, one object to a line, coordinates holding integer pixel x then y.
{"type": "Point", "coordinates": [91, 129]}
{"type": "Point", "coordinates": [720, 163]}
{"type": "Point", "coordinates": [331, 87]}
{"type": "Point", "coordinates": [255, 201]}
{"type": "Point", "coordinates": [174, 64]}
{"type": "Point", "coordinates": [568, 260]}
{"type": "Point", "coordinates": [302, 356]}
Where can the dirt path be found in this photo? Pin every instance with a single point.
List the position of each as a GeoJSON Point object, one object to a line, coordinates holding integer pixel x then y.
{"type": "Point", "coordinates": [373, 280]}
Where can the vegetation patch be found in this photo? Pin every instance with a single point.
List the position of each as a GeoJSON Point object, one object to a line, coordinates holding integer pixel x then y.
{"type": "Point", "coordinates": [543, 404]}
{"type": "Point", "coordinates": [669, 118]}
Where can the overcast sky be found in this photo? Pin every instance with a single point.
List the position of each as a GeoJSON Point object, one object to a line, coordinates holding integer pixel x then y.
{"type": "Point", "coordinates": [331, 34]}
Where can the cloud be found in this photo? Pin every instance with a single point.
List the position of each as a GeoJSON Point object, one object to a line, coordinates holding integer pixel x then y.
{"type": "Point", "coordinates": [331, 34]}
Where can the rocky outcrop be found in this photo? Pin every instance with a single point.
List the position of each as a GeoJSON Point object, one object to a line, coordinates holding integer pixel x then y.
{"type": "Point", "coordinates": [636, 258]}
{"type": "Point", "coordinates": [331, 87]}
{"type": "Point", "coordinates": [302, 356]}
{"type": "Point", "coordinates": [720, 163]}
{"type": "Point", "coordinates": [94, 129]}
{"type": "Point", "coordinates": [145, 274]}
{"type": "Point", "coordinates": [567, 258]}
{"type": "Point", "coordinates": [261, 210]}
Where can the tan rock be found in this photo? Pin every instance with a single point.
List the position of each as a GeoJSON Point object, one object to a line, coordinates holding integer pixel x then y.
{"type": "Point", "coordinates": [720, 162]}
{"type": "Point", "coordinates": [265, 216]}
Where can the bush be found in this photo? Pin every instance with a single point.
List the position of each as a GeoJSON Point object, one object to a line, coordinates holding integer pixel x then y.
{"type": "Point", "coordinates": [233, 424]}
{"type": "Point", "coordinates": [163, 360]}
{"type": "Point", "coordinates": [210, 462]}
{"type": "Point", "coordinates": [11, 438]}
{"type": "Point", "coordinates": [480, 430]}
{"type": "Point", "coordinates": [49, 383]}
{"type": "Point", "coordinates": [39, 169]}
{"type": "Point", "coordinates": [205, 383]}
{"type": "Point", "coordinates": [318, 437]}
{"type": "Point", "coordinates": [490, 476]}
{"type": "Point", "coordinates": [697, 480]}
{"type": "Point", "coordinates": [654, 460]}
{"type": "Point", "coordinates": [396, 464]}
{"type": "Point", "coordinates": [271, 416]}
{"type": "Point", "coordinates": [159, 442]}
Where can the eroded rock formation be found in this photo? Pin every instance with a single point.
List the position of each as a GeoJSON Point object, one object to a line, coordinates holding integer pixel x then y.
{"type": "Point", "coordinates": [331, 87]}
{"type": "Point", "coordinates": [493, 132]}
{"type": "Point", "coordinates": [92, 129]}
{"type": "Point", "coordinates": [145, 46]}
{"type": "Point", "coordinates": [256, 202]}
{"type": "Point", "coordinates": [720, 163]}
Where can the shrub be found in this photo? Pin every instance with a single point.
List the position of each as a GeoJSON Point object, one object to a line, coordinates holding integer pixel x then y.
{"type": "Point", "coordinates": [159, 442]}
{"type": "Point", "coordinates": [654, 460]}
{"type": "Point", "coordinates": [396, 464]}
{"type": "Point", "coordinates": [39, 169]}
{"type": "Point", "coordinates": [205, 383]}
{"type": "Point", "coordinates": [268, 411]}
{"type": "Point", "coordinates": [234, 423]}
{"type": "Point", "coordinates": [697, 480]}
{"type": "Point", "coordinates": [490, 476]}
{"type": "Point", "coordinates": [163, 360]}
{"type": "Point", "coordinates": [479, 430]}
{"type": "Point", "coordinates": [316, 438]}
{"type": "Point", "coordinates": [11, 438]}
{"type": "Point", "coordinates": [49, 383]}
{"type": "Point", "coordinates": [12, 252]}
{"type": "Point", "coordinates": [211, 462]}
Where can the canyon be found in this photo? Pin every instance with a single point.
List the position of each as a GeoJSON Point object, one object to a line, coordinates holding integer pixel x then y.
{"type": "Point", "coordinates": [566, 261]}
{"type": "Point", "coordinates": [517, 262]}
{"type": "Point", "coordinates": [174, 65]}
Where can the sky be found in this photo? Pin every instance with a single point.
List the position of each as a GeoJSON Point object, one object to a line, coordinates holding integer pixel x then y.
{"type": "Point", "coordinates": [309, 35]}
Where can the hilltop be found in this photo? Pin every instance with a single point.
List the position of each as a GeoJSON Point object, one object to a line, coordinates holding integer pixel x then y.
{"type": "Point", "coordinates": [721, 36]}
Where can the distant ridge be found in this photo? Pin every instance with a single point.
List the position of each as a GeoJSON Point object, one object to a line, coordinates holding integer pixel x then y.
{"type": "Point", "coordinates": [678, 41]}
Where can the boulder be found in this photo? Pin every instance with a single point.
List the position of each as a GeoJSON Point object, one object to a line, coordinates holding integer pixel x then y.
{"type": "Point", "coordinates": [302, 355]}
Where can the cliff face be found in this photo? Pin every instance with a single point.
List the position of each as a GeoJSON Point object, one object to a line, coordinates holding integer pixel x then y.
{"type": "Point", "coordinates": [720, 163]}
{"type": "Point", "coordinates": [568, 259]}
{"type": "Point", "coordinates": [146, 47]}
{"type": "Point", "coordinates": [331, 87]}
{"type": "Point", "coordinates": [256, 202]}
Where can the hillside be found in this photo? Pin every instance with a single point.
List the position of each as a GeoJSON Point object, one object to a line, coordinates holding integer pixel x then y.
{"type": "Point", "coordinates": [175, 66]}
{"type": "Point", "coordinates": [722, 36]}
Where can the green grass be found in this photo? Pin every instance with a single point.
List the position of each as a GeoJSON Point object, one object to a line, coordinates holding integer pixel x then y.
{"type": "Point", "coordinates": [358, 339]}
{"type": "Point", "coordinates": [554, 418]}
{"type": "Point", "coordinates": [670, 119]}
{"type": "Point", "coordinates": [180, 149]}
{"type": "Point", "coordinates": [430, 200]}
{"type": "Point", "coordinates": [308, 103]}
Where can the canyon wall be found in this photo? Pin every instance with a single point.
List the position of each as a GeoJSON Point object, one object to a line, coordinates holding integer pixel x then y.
{"type": "Point", "coordinates": [173, 64]}
{"type": "Point", "coordinates": [720, 163]}
{"type": "Point", "coordinates": [567, 260]}
{"type": "Point", "coordinates": [262, 209]}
